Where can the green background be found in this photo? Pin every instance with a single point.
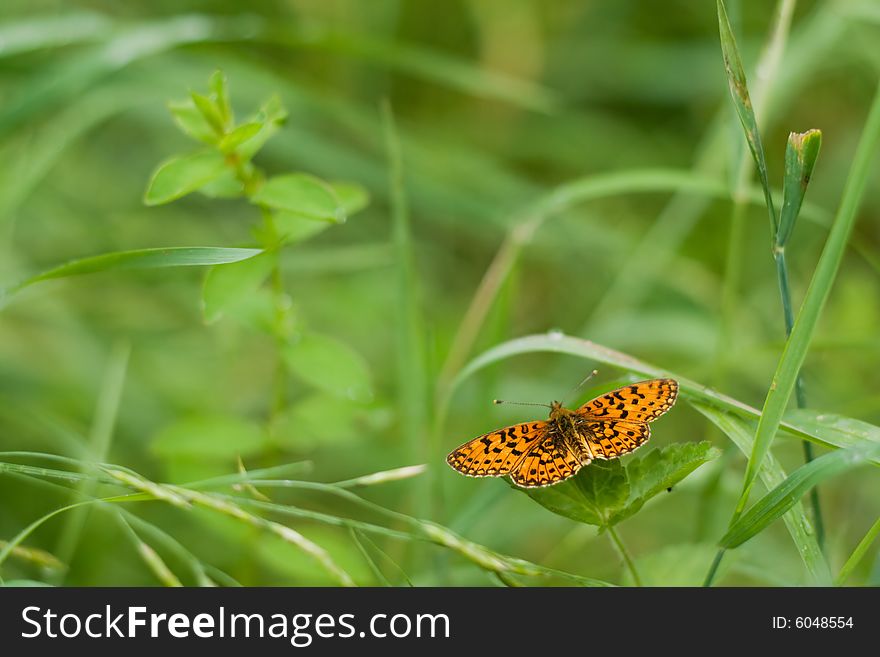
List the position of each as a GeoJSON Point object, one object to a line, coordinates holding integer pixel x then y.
{"type": "Point", "coordinates": [496, 104]}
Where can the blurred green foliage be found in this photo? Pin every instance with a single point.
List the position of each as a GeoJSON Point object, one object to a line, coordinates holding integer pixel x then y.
{"type": "Point", "coordinates": [572, 168]}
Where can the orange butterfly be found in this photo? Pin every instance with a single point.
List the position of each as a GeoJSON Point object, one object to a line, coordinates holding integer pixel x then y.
{"type": "Point", "coordinates": [544, 453]}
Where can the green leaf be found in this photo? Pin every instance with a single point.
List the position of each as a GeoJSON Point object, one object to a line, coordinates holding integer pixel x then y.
{"type": "Point", "coordinates": [301, 194]}
{"type": "Point", "coordinates": [209, 437]}
{"type": "Point", "coordinates": [352, 197]}
{"type": "Point", "coordinates": [800, 158]}
{"type": "Point", "coordinates": [190, 120]}
{"type": "Point", "coordinates": [739, 91]}
{"type": "Point", "coordinates": [226, 185]}
{"type": "Point", "coordinates": [329, 365]}
{"type": "Point", "coordinates": [605, 493]}
{"type": "Point", "coordinates": [182, 256]}
{"type": "Point", "coordinates": [219, 86]}
{"type": "Point", "coordinates": [271, 117]}
{"type": "Point", "coordinates": [182, 175]}
{"type": "Point", "coordinates": [209, 110]}
{"type": "Point", "coordinates": [789, 492]}
{"type": "Point", "coordinates": [589, 497]}
{"type": "Point", "coordinates": [322, 419]}
{"type": "Point", "coordinates": [229, 284]}
{"type": "Point", "coordinates": [659, 470]}
{"type": "Point", "coordinates": [292, 227]}
{"type": "Point", "coordinates": [239, 135]}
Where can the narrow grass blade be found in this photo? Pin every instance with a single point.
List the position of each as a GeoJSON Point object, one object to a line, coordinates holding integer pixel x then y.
{"type": "Point", "coordinates": [842, 432]}
{"type": "Point", "coordinates": [150, 557]}
{"type": "Point", "coordinates": [796, 521]}
{"type": "Point", "coordinates": [101, 435]}
{"type": "Point", "coordinates": [411, 368]}
{"type": "Point", "coordinates": [16, 540]}
{"type": "Point", "coordinates": [374, 568]}
{"type": "Point", "coordinates": [736, 80]}
{"type": "Point", "coordinates": [795, 350]}
{"type": "Point", "coordinates": [858, 554]}
{"type": "Point", "coordinates": [180, 256]}
{"type": "Point", "coordinates": [789, 492]}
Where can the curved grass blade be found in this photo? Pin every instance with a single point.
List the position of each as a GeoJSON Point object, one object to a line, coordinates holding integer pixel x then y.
{"type": "Point", "coordinates": [796, 521]}
{"type": "Point", "coordinates": [789, 492]}
{"type": "Point", "coordinates": [803, 424]}
{"type": "Point", "coordinates": [858, 554]}
{"type": "Point", "coordinates": [178, 256]}
{"type": "Point", "coordinates": [795, 350]}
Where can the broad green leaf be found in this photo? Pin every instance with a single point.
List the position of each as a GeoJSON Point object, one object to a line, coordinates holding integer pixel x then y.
{"type": "Point", "coordinates": [800, 158]}
{"type": "Point", "coordinates": [191, 122]}
{"type": "Point", "coordinates": [226, 185]}
{"type": "Point", "coordinates": [227, 285]}
{"type": "Point", "coordinates": [182, 256]}
{"type": "Point", "coordinates": [789, 492]}
{"type": "Point", "coordinates": [329, 365]}
{"type": "Point", "coordinates": [210, 111]}
{"type": "Point", "coordinates": [239, 135]}
{"type": "Point", "coordinates": [659, 470]}
{"type": "Point", "coordinates": [605, 493]}
{"type": "Point", "coordinates": [182, 175]}
{"type": "Point", "coordinates": [301, 194]}
{"type": "Point", "coordinates": [292, 227]}
{"type": "Point", "coordinates": [322, 419]}
{"type": "Point", "coordinates": [351, 196]}
{"type": "Point", "coordinates": [590, 497]}
{"type": "Point", "coordinates": [210, 438]}
{"type": "Point", "coordinates": [271, 117]}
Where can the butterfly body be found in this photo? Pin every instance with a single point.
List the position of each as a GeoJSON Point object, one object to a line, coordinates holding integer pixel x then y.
{"type": "Point", "coordinates": [542, 453]}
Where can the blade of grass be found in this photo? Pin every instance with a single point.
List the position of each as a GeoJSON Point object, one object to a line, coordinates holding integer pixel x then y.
{"type": "Point", "coordinates": [789, 492]}
{"type": "Point", "coordinates": [796, 347]}
{"type": "Point", "coordinates": [827, 435]}
{"type": "Point", "coordinates": [794, 191]}
{"type": "Point", "coordinates": [858, 554]}
{"type": "Point", "coordinates": [374, 568]}
{"type": "Point", "coordinates": [799, 527]}
{"type": "Point", "coordinates": [411, 376]}
{"type": "Point", "coordinates": [150, 557]}
{"type": "Point", "coordinates": [100, 437]}
{"type": "Point", "coordinates": [181, 256]}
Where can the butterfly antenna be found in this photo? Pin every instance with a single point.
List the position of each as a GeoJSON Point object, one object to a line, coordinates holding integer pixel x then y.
{"type": "Point", "coordinates": [581, 384]}
{"type": "Point", "coordinates": [504, 401]}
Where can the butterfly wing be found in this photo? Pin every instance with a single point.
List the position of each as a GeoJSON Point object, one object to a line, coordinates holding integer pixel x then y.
{"type": "Point", "coordinates": [545, 464]}
{"type": "Point", "coordinates": [609, 439]}
{"type": "Point", "coordinates": [637, 403]}
{"type": "Point", "coordinates": [495, 454]}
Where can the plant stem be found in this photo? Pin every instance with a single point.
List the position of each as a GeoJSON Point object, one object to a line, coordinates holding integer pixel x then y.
{"type": "Point", "coordinates": [713, 568]}
{"type": "Point", "coordinates": [621, 549]}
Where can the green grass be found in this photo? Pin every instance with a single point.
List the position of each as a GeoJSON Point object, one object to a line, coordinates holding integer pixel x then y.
{"type": "Point", "coordinates": [319, 241]}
